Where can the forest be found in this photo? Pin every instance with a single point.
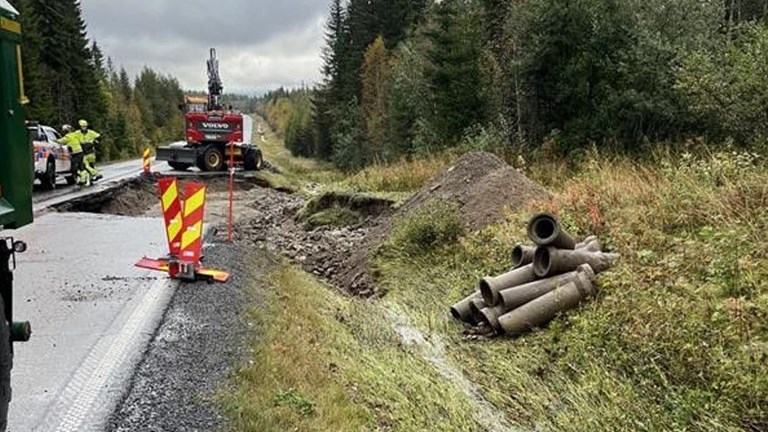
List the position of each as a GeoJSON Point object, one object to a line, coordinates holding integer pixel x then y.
{"type": "Point", "coordinates": [404, 78]}
{"type": "Point", "coordinates": [68, 77]}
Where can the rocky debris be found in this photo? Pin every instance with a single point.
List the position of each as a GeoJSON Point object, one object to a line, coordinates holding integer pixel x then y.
{"type": "Point", "coordinates": [321, 251]}
{"type": "Point", "coordinates": [481, 184]}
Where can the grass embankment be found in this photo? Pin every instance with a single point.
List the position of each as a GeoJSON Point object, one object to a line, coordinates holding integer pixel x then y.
{"type": "Point", "coordinates": [677, 338]}
{"type": "Point", "coordinates": [323, 362]}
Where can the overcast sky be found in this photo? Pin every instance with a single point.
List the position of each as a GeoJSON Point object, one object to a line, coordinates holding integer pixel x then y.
{"type": "Point", "coordinates": [262, 44]}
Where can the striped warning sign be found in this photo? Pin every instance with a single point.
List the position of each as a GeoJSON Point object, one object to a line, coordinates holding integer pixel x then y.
{"type": "Point", "coordinates": [147, 162]}
{"type": "Point", "coordinates": [194, 210]}
{"type": "Point", "coordinates": [171, 202]}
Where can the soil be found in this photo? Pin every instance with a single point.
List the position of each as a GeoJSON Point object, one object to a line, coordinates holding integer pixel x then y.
{"type": "Point", "coordinates": [129, 198]}
{"type": "Point", "coordinates": [481, 184]}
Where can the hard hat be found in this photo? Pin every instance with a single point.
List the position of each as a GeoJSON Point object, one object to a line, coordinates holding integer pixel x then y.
{"type": "Point", "coordinates": [83, 123]}
{"type": "Point", "coordinates": [66, 128]}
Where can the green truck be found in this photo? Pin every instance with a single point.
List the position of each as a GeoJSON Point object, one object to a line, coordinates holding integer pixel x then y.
{"type": "Point", "coordinates": [16, 176]}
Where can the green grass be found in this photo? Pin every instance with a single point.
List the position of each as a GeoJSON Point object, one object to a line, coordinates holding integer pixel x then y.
{"type": "Point", "coordinates": [299, 174]}
{"type": "Point", "coordinates": [676, 338]}
{"type": "Point", "coordinates": [311, 177]}
{"type": "Point", "coordinates": [334, 216]}
{"type": "Point", "coordinates": [435, 225]}
{"type": "Point", "coordinates": [322, 362]}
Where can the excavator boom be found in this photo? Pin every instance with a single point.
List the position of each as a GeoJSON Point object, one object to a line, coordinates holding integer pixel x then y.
{"type": "Point", "coordinates": [215, 86]}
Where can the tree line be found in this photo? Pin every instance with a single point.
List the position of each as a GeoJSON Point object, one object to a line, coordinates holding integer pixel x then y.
{"type": "Point", "coordinates": [403, 78]}
{"type": "Point", "coordinates": [67, 78]}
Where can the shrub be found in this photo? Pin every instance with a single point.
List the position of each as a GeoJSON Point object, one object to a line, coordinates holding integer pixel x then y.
{"type": "Point", "coordinates": [430, 227]}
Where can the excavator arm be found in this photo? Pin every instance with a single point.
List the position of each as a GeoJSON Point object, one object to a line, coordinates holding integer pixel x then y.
{"type": "Point", "coordinates": [215, 86]}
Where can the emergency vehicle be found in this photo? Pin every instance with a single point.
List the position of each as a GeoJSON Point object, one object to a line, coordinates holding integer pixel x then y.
{"type": "Point", "coordinates": [52, 160]}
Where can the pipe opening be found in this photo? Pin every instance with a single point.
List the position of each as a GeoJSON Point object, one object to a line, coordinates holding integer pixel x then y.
{"type": "Point", "coordinates": [544, 228]}
{"type": "Point", "coordinates": [485, 291]}
{"type": "Point", "coordinates": [541, 262]}
{"type": "Point", "coordinates": [476, 314]}
{"type": "Point", "coordinates": [455, 314]}
{"type": "Point", "coordinates": [517, 256]}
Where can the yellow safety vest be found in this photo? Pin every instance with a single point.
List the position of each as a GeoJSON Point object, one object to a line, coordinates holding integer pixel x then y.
{"type": "Point", "coordinates": [77, 138]}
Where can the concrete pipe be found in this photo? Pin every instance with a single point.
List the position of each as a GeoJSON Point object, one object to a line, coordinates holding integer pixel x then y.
{"type": "Point", "coordinates": [491, 316]}
{"type": "Point", "coordinates": [475, 306]}
{"type": "Point", "coordinates": [520, 295]}
{"type": "Point", "coordinates": [461, 310]}
{"type": "Point", "coordinates": [522, 255]}
{"type": "Point", "coordinates": [545, 230]}
{"type": "Point", "coordinates": [490, 286]}
{"type": "Point", "coordinates": [549, 261]}
{"type": "Point", "coordinates": [586, 241]}
{"type": "Point", "coordinates": [543, 309]}
{"type": "Point", "coordinates": [591, 243]}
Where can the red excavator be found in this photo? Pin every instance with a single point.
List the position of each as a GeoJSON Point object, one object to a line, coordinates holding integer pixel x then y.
{"type": "Point", "coordinates": [213, 132]}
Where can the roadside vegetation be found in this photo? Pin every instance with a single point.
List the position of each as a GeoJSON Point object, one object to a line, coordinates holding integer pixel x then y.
{"type": "Point", "coordinates": [644, 119]}
{"type": "Point", "coordinates": [676, 339]}
{"type": "Point", "coordinates": [326, 362]}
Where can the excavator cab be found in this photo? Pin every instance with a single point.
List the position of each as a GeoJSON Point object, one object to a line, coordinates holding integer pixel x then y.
{"type": "Point", "coordinates": [194, 104]}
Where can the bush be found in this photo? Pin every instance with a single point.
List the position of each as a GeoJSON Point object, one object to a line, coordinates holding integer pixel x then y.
{"type": "Point", "coordinates": [435, 225]}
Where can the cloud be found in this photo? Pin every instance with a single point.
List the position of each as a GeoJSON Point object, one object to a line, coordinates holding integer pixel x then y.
{"type": "Point", "coordinates": [262, 44]}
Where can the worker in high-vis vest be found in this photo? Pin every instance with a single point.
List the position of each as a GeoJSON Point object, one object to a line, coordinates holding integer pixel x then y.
{"type": "Point", "coordinates": [89, 139]}
{"type": "Point", "coordinates": [76, 155]}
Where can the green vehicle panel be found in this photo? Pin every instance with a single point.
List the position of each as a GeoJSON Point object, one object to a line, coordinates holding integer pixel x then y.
{"type": "Point", "coordinates": [16, 166]}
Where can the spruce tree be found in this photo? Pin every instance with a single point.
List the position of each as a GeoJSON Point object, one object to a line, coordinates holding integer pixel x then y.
{"type": "Point", "coordinates": [455, 73]}
{"type": "Point", "coordinates": [35, 76]}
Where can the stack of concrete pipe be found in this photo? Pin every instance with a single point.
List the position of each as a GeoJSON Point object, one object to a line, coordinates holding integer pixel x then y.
{"type": "Point", "coordinates": [550, 278]}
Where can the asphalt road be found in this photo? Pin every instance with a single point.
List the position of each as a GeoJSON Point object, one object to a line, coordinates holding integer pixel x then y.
{"type": "Point", "coordinates": [92, 312]}
{"type": "Point", "coordinates": [112, 173]}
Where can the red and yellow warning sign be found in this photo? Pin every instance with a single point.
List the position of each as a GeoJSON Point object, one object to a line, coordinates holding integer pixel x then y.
{"type": "Point", "coordinates": [171, 203]}
{"type": "Point", "coordinates": [194, 210]}
{"type": "Point", "coordinates": [147, 162]}
{"type": "Point", "coordinates": [184, 231]}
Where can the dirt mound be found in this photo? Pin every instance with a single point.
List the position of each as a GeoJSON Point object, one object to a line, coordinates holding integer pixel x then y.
{"type": "Point", "coordinates": [480, 184]}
